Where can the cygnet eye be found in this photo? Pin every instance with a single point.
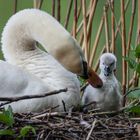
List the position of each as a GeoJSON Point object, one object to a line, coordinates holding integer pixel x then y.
{"type": "Point", "coordinates": [111, 63]}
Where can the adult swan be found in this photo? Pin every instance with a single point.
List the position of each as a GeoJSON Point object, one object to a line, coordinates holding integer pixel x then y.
{"type": "Point", "coordinates": [29, 70]}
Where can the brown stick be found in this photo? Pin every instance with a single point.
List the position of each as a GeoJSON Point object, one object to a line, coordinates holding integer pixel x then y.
{"type": "Point", "coordinates": [53, 8]}
{"type": "Point", "coordinates": [18, 98]}
{"type": "Point", "coordinates": [113, 28]}
{"type": "Point", "coordinates": [85, 30]}
{"type": "Point", "coordinates": [97, 63]}
{"type": "Point", "coordinates": [138, 129]}
{"type": "Point", "coordinates": [92, 12]}
{"type": "Point", "coordinates": [96, 41]}
{"type": "Point", "coordinates": [78, 15]}
{"type": "Point", "coordinates": [89, 26]}
{"type": "Point", "coordinates": [79, 10]}
{"type": "Point", "coordinates": [81, 24]}
{"type": "Point", "coordinates": [131, 25]}
{"type": "Point", "coordinates": [123, 49]}
{"type": "Point", "coordinates": [38, 3]}
{"type": "Point", "coordinates": [15, 6]}
{"type": "Point", "coordinates": [68, 14]}
{"type": "Point", "coordinates": [106, 30]}
{"type": "Point", "coordinates": [90, 132]}
{"type": "Point", "coordinates": [119, 23]}
{"type": "Point", "coordinates": [136, 77]}
{"type": "Point", "coordinates": [75, 19]}
{"type": "Point", "coordinates": [58, 10]}
{"type": "Point", "coordinates": [116, 33]}
{"type": "Point", "coordinates": [130, 36]}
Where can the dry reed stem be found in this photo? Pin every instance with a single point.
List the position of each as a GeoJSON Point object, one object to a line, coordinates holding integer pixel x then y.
{"type": "Point", "coordinates": [130, 35]}
{"type": "Point", "coordinates": [75, 19]}
{"type": "Point", "coordinates": [97, 63]}
{"type": "Point", "coordinates": [139, 21]}
{"type": "Point", "coordinates": [131, 24]}
{"type": "Point", "coordinates": [90, 132]}
{"type": "Point", "coordinates": [15, 6]}
{"type": "Point", "coordinates": [138, 128]}
{"type": "Point", "coordinates": [58, 10]}
{"type": "Point", "coordinates": [89, 26]}
{"type": "Point", "coordinates": [81, 24]}
{"type": "Point", "coordinates": [112, 28]}
{"type": "Point", "coordinates": [79, 10]}
{"type": "Point", "coordinates": [85, 43]}
{"type": "Point", "coordinates": [68, 14]}
{"type": "Point", "coordinates": [118, 25]}
{"type": "Point", "coordinates": [38, 3]}
{"type": "Point", "coordinates": [116, 33]}
{"type": "Point", "coordinates": [106, 30]}
{"type": "Point", "coordinates": [91, 15]}
{"type": "Point", "coordinates": [78, 15]}
{"type": "Point", "coordinates": [93, 52]}
{"type": "Point", "coordinates": [124, 82]}
{"type": "Point", "coordinates": [53, 8]}
{"type": "Point", "coordinates": [136, 76]}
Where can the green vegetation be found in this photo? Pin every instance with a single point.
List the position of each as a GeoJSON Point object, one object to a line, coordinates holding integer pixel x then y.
{"type": "Point", "coordinates": [8, 121]}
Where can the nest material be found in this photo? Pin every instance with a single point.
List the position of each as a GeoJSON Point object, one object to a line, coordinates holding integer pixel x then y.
{"type": "Point", "coordinates": [76, 126]}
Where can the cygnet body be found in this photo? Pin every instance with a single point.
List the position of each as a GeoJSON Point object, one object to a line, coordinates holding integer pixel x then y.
{"type": "Point", "coordinates": [107, 98]}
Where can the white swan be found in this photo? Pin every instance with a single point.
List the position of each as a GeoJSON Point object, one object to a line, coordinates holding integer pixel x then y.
{"type": "Point", "coordinates": [29, 70]}
{"type": "Point", "coordinates": [109, 96]}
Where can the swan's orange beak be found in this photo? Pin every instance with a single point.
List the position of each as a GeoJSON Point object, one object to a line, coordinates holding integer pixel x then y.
{"type": "Point", "coordinates": [94, 79]}
{"type": "Point", "coordinates": [91, 76]}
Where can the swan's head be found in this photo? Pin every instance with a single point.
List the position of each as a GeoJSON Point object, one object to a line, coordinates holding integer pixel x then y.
{"type": "Point", "coordinates": [71, 57]}
{"type": "Point", "coordinates": [31, 25]}
{"type": "Point", "coordinates": [108, 63]}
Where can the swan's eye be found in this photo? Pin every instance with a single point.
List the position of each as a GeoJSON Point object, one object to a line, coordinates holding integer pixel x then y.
{"type": "Point", "coordinates": [103, 63]}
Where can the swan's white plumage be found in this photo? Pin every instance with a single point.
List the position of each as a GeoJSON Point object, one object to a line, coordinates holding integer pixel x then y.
{"type": "Point", "coordinates": [34, 70]}
{"type": "Point", "coordinates": [109, 96]}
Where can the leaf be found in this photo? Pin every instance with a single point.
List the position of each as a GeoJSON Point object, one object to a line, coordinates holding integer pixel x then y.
{"type": "Point", "coordinates": [135, 94]}
{"type": "Point", "coordinates": [6, 117]}
{"type": "Point", "coordinates": [135, 109]}
{"type": "Point", "coordinates": [26, 129]}
{"type": "Point", "coordinates": [7, 132]}
{"type": "Point", "coordinates": [132, 47]}
{"type": "Point", "coordinates": [131, 62]}
{"type": "Point", "coordinates": [137, 51]}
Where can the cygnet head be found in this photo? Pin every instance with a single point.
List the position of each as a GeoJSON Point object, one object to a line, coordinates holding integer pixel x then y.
{"type": "Point", "coordinates": [107, 63]}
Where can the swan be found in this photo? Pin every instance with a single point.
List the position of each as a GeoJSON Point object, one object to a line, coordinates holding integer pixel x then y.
{"type": "Point", "coordinates": [108, 97]}
{"type": "Point", "coordinates": [29, 70]}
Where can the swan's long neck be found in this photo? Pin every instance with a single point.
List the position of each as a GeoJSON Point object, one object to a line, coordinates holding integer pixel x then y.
{"type": "Point", "coordinates": [29, 26]}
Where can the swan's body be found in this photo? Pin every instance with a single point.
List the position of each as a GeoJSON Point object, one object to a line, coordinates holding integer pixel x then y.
{"type": "Point", "coordinates": [109, 96]}
{"type": "Point", "coordinates": [33, 71]}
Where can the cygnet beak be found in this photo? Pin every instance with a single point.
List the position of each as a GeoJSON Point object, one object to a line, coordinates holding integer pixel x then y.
{"type": "Point", "coordinates": [91, 76]}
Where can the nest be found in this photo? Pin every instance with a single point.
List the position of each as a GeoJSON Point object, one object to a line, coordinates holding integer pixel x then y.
{"type": "Point", "coordinates": [73, 125]}
{"type": "Point", "coordinates": [76, 126]}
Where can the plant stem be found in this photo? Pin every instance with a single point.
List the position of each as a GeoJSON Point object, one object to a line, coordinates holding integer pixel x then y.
{"type": "Point", "coordinates": [85, 30]}
{"type": "Point", "coordinates": [68, 13]}
{"type": "Point", "coordinates": [123, 35]}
